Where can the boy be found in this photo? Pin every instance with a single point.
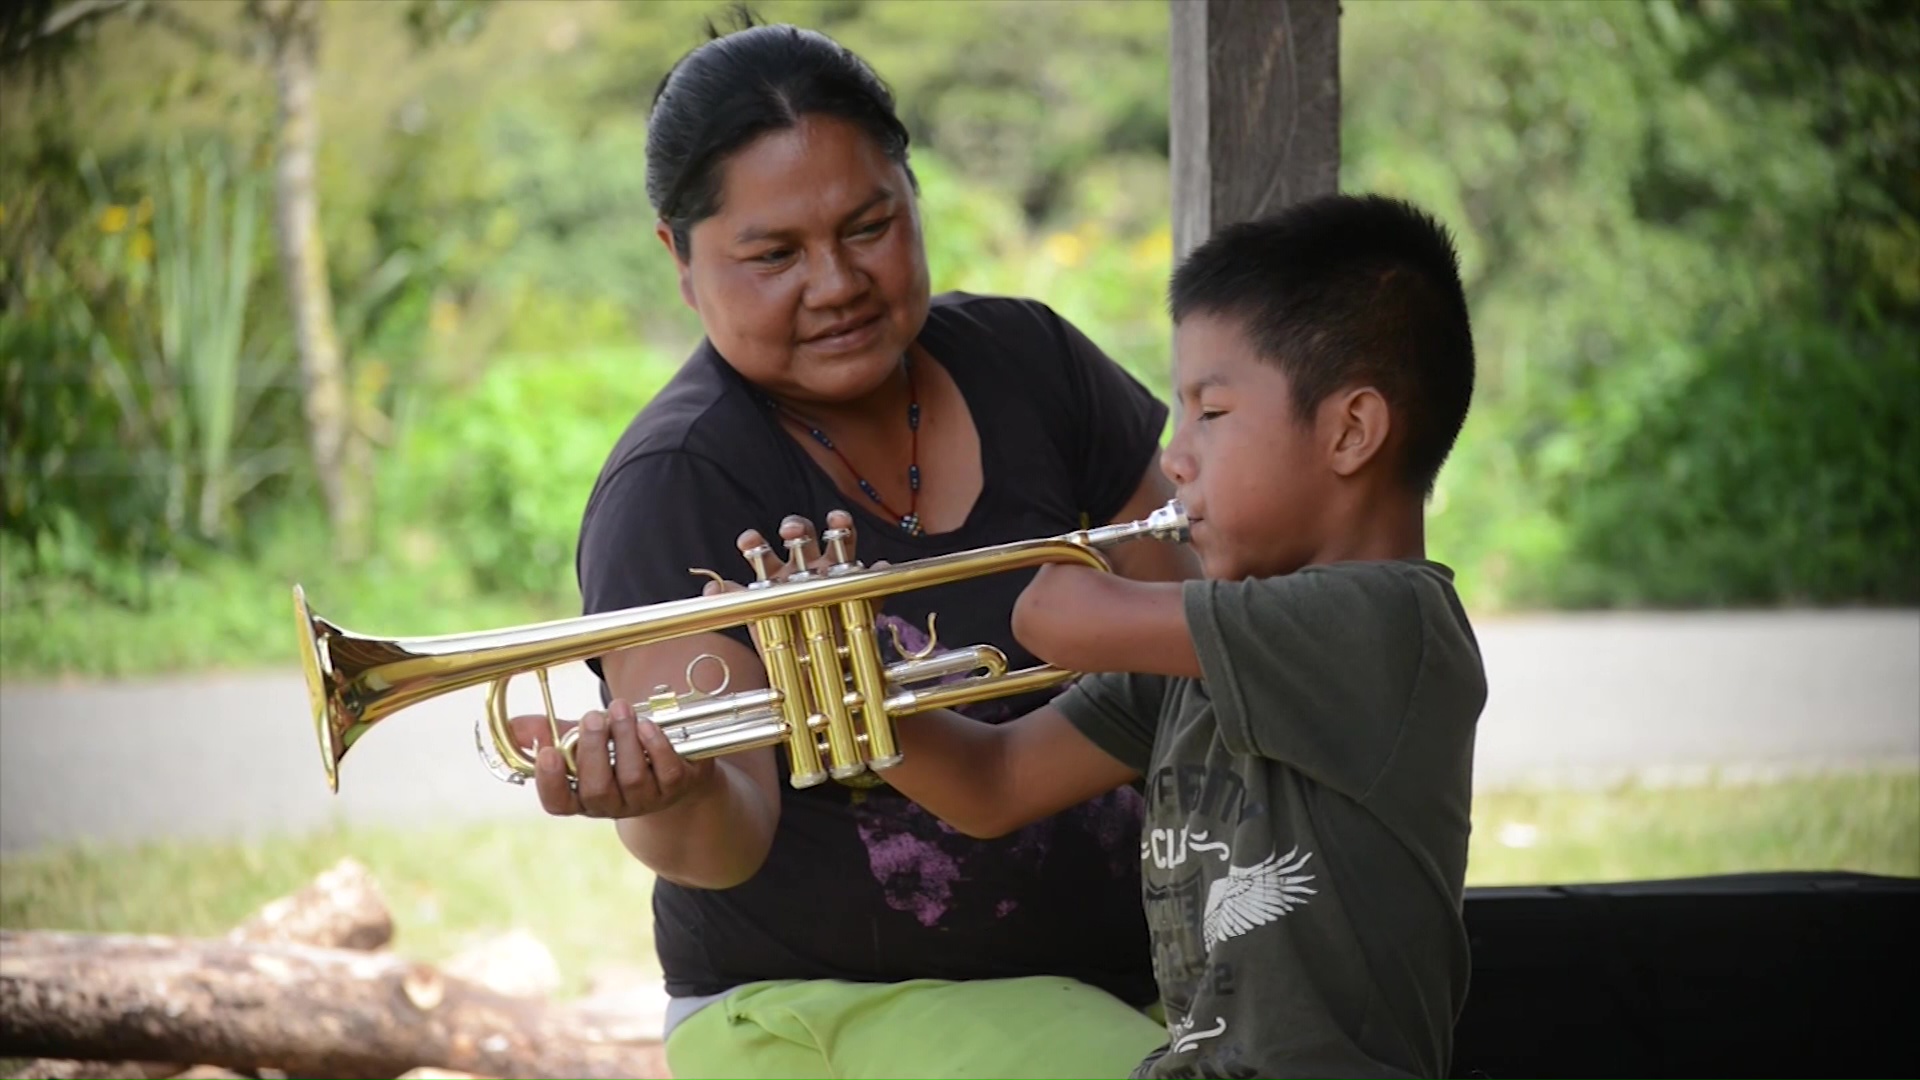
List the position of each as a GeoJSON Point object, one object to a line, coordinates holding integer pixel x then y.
{"type": "Point", "coordinates": [1302, 720]}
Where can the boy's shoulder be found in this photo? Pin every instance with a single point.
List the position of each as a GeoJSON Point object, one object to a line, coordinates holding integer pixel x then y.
{"type": "Point", "coordinates": [1322, 598]}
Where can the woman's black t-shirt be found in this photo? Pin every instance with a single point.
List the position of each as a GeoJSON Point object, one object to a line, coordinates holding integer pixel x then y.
{"type": "Point", "coordinates": [861, 883]}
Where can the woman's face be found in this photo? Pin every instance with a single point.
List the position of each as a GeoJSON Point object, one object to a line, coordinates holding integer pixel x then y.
{"type": "Point", "coordinates": [811, 279]}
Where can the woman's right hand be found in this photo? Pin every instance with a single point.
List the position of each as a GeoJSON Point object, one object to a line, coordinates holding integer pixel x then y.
{"type": "Point", "coordinates": [626, 766]}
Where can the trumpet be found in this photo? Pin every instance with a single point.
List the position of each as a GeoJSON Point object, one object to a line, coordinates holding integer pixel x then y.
{"type": "Point", "coordinates": [830, 700]}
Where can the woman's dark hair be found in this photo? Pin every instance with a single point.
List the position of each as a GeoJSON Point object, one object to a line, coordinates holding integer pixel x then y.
{"type": "Point", "coordinates": [740, 85]}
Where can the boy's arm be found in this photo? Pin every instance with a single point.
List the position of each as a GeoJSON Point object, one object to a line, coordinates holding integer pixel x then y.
{"type": "Point", "coordinates": [1080, 619]}
{"type": "Point", "coordinates": [989, 779]}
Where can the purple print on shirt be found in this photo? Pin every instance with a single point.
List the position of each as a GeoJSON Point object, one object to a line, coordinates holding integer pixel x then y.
{"type": "Point", "coordinates": [918, 859]}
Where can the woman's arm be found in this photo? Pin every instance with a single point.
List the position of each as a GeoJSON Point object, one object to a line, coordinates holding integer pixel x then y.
{"type": "Point", "coordinates": [704, 824]}
{"type": "Point", "coordinates": [718, 834]}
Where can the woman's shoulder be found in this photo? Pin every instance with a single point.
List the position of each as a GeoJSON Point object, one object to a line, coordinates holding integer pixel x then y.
{"type": "Point", "coordinates": [1017, 317]}
{"type": "Point", "coordinates": [701, 418]}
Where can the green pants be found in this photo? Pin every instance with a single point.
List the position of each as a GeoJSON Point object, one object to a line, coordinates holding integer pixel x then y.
{"type": "Point", "coordinates": [1030, 1027]}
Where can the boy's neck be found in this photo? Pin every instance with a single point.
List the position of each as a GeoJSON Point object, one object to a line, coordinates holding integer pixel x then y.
{"type": "Point", "coordinates": [1376, 529]}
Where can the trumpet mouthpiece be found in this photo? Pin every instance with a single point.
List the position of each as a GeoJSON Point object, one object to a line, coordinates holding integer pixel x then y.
{"type": "Point", "coordinates": [1168, 523]}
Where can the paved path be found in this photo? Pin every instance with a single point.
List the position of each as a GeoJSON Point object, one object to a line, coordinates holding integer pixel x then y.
{"type": "Point", "coordinates": [1573, 699]}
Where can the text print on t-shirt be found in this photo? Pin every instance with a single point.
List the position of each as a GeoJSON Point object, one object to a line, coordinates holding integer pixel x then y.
{"type": "Point", "coordinates": [1199, 894]}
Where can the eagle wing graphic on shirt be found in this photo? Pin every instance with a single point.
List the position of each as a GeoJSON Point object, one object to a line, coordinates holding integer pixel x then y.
{"type": "Point", "coordinates": [1256, 895]}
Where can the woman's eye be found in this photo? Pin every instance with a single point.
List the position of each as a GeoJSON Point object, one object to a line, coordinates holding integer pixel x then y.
{"type": "Point", "coordinates": [1209, 414]}
{"type": "Point", "coordinates": [874, 228]}
{"type": "Point", "coordinates": [778, 255]}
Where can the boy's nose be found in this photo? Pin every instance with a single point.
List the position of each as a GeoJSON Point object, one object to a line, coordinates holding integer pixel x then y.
{"type": "Point", "coordinates": [1176, 463]}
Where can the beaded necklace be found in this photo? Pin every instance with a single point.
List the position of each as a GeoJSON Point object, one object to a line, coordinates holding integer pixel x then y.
{"type": "Point", "coordinates": [909, 521]}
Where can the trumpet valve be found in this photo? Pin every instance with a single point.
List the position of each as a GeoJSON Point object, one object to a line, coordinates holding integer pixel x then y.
{"type": "Point", "coordinates": [800, 555]}
{"type": "Point", "coordinates": [758, 557]}
{"type": "Point", "coordinates": [840, 550]}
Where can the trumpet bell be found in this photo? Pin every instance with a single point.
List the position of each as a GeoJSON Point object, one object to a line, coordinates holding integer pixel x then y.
{"type": "Point", "coordinates": [312, 662]}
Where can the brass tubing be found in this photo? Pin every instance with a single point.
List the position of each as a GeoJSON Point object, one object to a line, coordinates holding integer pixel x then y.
{"type": "Point", "coordinates": [958, 662]}
{"type": "Point", "coordinates": [869, 696]}
{"type": "Point", "coordinates": [829, 692]}
{"type": "Point", "coordinates": [968, 691]}
{"type": "Point", "coordinates": [783, 671]}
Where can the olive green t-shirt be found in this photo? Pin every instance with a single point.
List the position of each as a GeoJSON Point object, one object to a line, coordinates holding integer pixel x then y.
{"type": "Point", "coordinates": [1308, 799]}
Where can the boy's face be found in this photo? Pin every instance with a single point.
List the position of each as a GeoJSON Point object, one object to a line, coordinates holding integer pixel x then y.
{"type": "Point", "coordinates": [1248, 469]}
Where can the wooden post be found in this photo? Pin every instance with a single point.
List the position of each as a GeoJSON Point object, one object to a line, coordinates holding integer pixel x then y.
{"type": "Point", "coordinates": [1255, 110]}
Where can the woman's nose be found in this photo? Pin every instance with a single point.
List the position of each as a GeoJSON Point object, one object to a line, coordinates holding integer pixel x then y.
{"type": "Point", "coordinates": [835, 280]}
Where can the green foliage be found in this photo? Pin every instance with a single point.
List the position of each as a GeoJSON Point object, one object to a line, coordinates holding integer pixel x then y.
{"type": "Point", "coordinates": [1691, 234]}
{"type": "Point", "coordinates": [1852, 69]}
{"type": "Point", "coordinates": [145, 411]}
{"type": "Point", "coordinates": [1780, 470]}
{"type": "Point", "coordinates": [500, 471]}
{"type": "Point", "coordinates": [70, 609]}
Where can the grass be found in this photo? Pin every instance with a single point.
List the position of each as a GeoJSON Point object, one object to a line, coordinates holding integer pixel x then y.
{"type": "Point", "coordinates": [569, 884]}
{"type": "Point", "coordinates": [1868, 822]}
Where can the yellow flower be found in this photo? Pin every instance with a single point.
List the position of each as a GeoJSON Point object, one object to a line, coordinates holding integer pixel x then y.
{"type": "Point", "coordinates": [443, 318]}
{"type": "Point", "coordinates": [1155, 248]}
{"type": "Point", "coordinates": [113, 219]}
{"type": "Point", "coordinates": [140, 246]}
{"type": "Point", "coordinates": [1065, 249]}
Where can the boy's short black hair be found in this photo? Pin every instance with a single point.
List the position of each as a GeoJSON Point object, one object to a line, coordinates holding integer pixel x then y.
{"type": "Point", "coordinates": [1342, 290]}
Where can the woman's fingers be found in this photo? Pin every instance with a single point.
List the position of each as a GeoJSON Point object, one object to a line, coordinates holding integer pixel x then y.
{"type": "Point", "coordinates": [839, 521]}
{"type": "Point", "coordinates": [532, 731]}
{"type": "Point", "coordinates": [632, 770]}
{"type": "Point", "coordinates": [593, 768]}
{"type": "Point", "coordinates": [672, 774]}
{"type": "Point", "coordinates": [796, 527]}
{"type": "Point", "coordinates": [550, 779]}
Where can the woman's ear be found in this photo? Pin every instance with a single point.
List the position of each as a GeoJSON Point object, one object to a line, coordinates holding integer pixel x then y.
{"type": "Point", "coordinates": [1359, 424]}
{"type": "Point", "coordinates": [680, 265]}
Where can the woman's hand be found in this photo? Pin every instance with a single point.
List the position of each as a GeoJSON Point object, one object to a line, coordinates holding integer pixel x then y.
{"type": "Point", "coordinates": [818, 556]}
{"type": "Point", "coordinates": [626, 765]}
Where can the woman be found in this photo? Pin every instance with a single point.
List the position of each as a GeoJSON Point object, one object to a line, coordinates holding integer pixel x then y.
{"type": "Point", "coordinates": [837, 929]}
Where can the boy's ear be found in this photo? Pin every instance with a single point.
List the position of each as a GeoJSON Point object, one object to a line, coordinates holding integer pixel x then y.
{"type": "Point", "coordinates": [1358, 424]}
{"type": "Point", "coordinates": [680, 265]}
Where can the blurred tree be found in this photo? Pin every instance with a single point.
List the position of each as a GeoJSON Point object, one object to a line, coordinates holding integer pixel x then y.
{"type": "Point", "coordinates": [341, 460]}
{"type": "Point", "coordinates": [1852, 68]}
{"type": "Point", "coordinates": [43, 35]}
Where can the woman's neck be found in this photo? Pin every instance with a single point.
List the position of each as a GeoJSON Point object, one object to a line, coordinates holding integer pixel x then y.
{"type": "Point", "coordinates": [882, 410]}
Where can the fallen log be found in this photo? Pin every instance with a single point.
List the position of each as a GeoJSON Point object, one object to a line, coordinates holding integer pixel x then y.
{"type": "Point", "coordinates": [308, 1011]}
{"type": "Point", "coordinates": [341, 907]}
{"type": "Point", "coordinates": [58, 1069]}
